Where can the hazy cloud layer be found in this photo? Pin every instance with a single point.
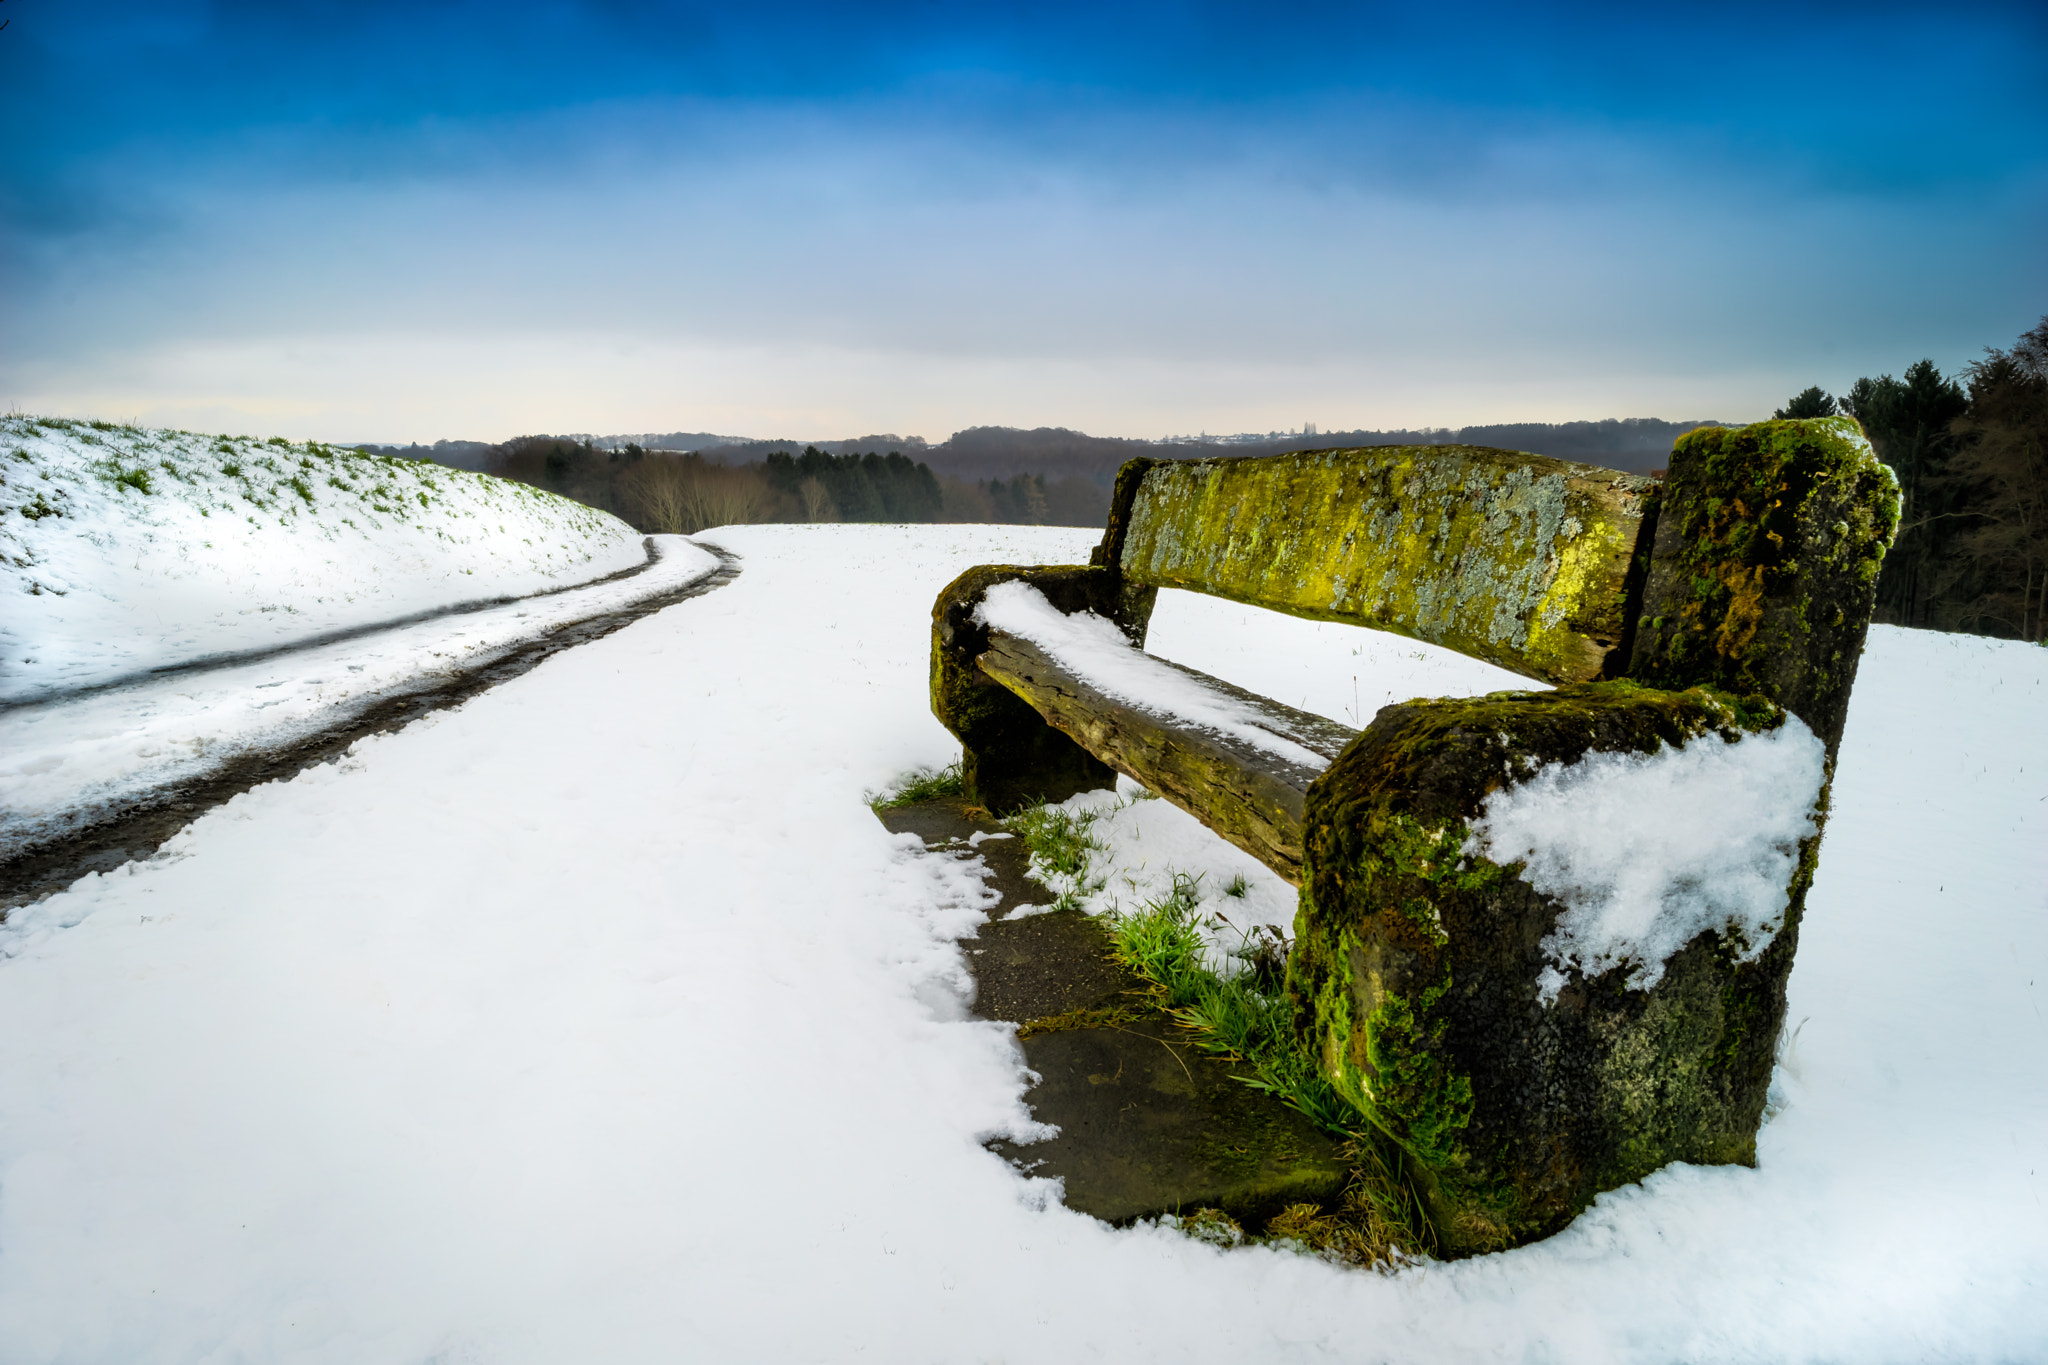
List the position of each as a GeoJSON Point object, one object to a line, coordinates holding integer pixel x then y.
{"type": "Point", "coordinates": [404, 224]}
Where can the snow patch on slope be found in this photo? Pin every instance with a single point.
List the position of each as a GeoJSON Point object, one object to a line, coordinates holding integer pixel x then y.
{"type": "Point", "coordinates": [1649, 851]}
{"type": "Point", "coordinates": [125, 550]}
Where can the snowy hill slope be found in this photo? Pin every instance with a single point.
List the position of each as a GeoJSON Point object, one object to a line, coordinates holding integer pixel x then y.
{"type": "Point", "coordinates": [125, 550]}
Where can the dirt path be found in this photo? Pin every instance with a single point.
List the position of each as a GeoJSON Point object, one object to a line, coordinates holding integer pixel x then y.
{"type": "Point", "coordinates": [133, 831]}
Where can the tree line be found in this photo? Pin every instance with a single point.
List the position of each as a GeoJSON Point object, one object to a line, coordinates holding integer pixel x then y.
{"type": "Point", "coordinates": [1970, 453]}
{"type": "Point", "coordinates": [682, 492]}
{"type": "Point", "coordinates": [1971, 458]}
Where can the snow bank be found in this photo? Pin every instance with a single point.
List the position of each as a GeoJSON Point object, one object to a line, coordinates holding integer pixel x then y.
{"type": "Point", "coordinates": [1096, 652]}
{"type": "Point", "coordinates": [1649, 851]}
{"type": "Point", "coordinates": [124, 550]}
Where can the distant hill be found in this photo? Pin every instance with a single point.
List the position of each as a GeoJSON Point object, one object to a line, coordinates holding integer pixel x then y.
{"type": "Point", "coordinates": [979, 454]}
{"type": "Point", "coordinates": [1634, 443]}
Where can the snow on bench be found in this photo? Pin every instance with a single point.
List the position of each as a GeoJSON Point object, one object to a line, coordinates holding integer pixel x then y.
{"type": "Point", "coordinates": [1196, 739]}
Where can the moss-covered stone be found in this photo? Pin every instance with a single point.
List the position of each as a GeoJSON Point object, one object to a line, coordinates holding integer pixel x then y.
{"type": "Point", "coordinates": [1010, 757]}
{"type": "Point", "coordinates": [1517, 559]}
{"type": "Point", "coordinates": [1764, 568]}
{"type": "Point", "coordinates": [1416, 967]}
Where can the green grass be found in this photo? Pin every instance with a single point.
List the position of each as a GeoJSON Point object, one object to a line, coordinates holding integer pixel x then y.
{"type": "Point", "coordinates": [1245, 1015]}
{"type": "Point", "coordinates": [920, 784]}
{"type": "Point", "coordinates": [1062, 846]}
{"type": "Point", "coordinates": [1242, 1013]}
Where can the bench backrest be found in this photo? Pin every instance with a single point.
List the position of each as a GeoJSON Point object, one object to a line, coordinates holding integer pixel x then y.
{"type": "Point", "coordinates": [1752, 567]}
{"type": "Point", "coordinates": [1521, 560]}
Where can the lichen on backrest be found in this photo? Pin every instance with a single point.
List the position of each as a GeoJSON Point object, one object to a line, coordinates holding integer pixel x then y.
{"type": "Point", "coordinates": [1521, 560]}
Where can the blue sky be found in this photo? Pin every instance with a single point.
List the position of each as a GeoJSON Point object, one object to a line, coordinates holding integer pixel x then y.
{"type": "Point", "coordinates": [392, 222]}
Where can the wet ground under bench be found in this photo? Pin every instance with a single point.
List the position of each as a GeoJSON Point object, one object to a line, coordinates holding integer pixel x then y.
{"type": "Point", "coordinates": [1149, 1124]}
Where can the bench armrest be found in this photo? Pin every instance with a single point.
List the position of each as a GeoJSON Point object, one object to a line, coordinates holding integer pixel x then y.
{"type": "Point", "coordinates": [1009, 756]}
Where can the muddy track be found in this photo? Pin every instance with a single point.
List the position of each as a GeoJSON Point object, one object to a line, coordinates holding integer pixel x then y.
{"type": "Point", "coordinates": [136, 831]}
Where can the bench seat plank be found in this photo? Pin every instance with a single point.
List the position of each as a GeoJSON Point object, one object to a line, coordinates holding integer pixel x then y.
{"type": "Point", "coordinates": [1249, 795]}
{"type": "Point", "coordinates": [1517, 559]}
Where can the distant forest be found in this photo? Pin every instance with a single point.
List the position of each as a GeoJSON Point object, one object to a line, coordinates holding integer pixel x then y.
{"type": "Point", "coordinates": [1049, 476]}
{"type": "Point", "coordinates": [1971, 454]}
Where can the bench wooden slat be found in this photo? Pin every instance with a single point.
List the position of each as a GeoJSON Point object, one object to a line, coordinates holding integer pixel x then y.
{"type": "Point", "coordinates": [1250, 796]}
{"type": "Point", "coordinates": [1514, 558]}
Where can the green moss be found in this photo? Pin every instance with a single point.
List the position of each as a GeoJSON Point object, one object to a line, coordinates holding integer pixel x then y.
{"type": "Point", "coordinates": [1407, 1088]}
{"type": "Point", "coordinates": [1517, 559]}
{"type": "Point", "coordinates": [1767, 554]}
{"type": "Point", "coordinates": [1415, 966]}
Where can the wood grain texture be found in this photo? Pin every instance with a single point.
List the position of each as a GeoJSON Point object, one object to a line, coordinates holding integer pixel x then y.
{"type": "Point", "coordinates": [1251, 797]}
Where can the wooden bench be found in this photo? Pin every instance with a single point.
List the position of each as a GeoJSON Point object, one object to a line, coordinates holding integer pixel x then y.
{"type": "Point", "coordinates": [1513, 1085]}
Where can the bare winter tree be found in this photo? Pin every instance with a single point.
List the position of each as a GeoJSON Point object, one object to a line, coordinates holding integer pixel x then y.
{"type": "Point", "coordinates": [817, 502]}
{"type": "Point", "coordinates": [681, 495]}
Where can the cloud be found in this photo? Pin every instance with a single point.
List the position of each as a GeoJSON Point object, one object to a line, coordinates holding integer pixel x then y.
{"type": "Point", "coordinates": [980, 237]}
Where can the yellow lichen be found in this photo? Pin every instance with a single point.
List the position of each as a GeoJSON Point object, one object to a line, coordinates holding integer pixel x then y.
{"type": "Point", "coordinates": [1512, 558]}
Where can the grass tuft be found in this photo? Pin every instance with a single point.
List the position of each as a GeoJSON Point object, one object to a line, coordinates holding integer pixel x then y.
{"type": "Point", "coordinates": [921, 784]}
{"type": "Point", "coordinates": [1244, 1015]}
{"type": "Point", "coordinates": [1062, 850]}
{"type": "Point", "coordinates": [1212, 1226]}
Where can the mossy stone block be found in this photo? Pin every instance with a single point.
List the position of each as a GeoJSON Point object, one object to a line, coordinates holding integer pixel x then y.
{"type": "Point", "coordinates": [1764, 569]}
{"type": "Point", "coordinates": [1416, 972]}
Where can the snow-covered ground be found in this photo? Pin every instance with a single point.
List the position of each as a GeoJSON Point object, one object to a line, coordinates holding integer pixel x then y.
{"type": "Point", "coordinates": [124, 550]}
{"type": "Point", "coordinates": [598, 1019]}
{"type": "Point", "coordinates": [66, 760]}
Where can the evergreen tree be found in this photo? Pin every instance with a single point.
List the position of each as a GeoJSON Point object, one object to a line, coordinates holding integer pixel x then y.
{"type": "Point", "coordinates": [1910, 423]}
{"type": "Point", "coordinates": [1994, 578]}
{"type": "Point", "coordinates": [1811, 402]}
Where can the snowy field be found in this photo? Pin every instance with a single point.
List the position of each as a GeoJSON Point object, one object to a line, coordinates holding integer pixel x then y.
{"type": "Point", "coordinates": [599, 1019]}
{"type": "Point", "coordinates": [124, 550]}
